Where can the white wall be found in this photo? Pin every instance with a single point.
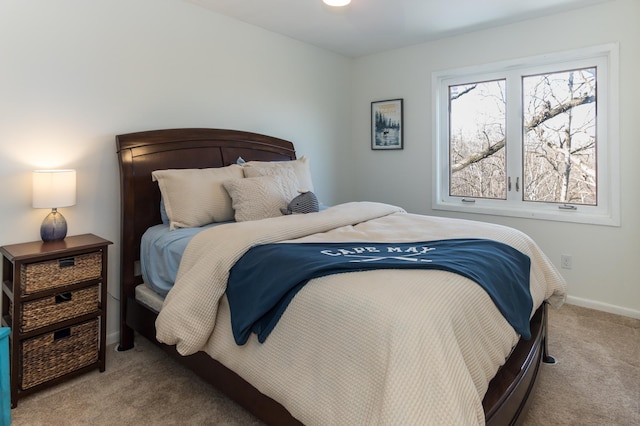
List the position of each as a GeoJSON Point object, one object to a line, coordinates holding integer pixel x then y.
{"type": "Point", "coordinates": [605, 259]}
{"type": "Point", "coordinates": [75, 73]}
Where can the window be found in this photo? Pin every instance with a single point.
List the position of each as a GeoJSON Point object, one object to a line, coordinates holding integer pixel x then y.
{"type": "Point", "coordinates": [534, 138]}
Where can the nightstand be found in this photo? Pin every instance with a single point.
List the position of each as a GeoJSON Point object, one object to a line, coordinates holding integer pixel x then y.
{"type": "Point", "coordinates": [54, 298]}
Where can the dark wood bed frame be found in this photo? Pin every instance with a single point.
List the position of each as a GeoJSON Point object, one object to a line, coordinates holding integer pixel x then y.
{"type": "Point", "coordinates": [143, 152]}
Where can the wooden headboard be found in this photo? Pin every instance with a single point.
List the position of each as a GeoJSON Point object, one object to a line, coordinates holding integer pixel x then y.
{"type": "Point", "coordinates": [141, 153]}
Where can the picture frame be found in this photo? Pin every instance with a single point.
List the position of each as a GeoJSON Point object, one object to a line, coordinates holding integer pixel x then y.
{"type": "Point", "coordinates": [387, 127]}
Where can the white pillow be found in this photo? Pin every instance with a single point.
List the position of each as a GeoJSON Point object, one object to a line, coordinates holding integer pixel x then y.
{"type": "Point", "coordinates": [261, 197]}
{"type": "Point", "coordinates": [196, 197]}
{"type": "Point", "coordinates": [267, 168]}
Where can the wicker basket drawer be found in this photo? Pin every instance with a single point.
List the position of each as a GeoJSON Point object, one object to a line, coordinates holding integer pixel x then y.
{"type": "Point", "coordinates": [59, 307]}
{"type": "Point", "coordinates": [57, 353]}
{"type": "Point", "coordinates": [54, 273]}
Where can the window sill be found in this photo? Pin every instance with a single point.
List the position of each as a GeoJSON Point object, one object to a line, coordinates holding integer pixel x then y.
{"type": "Point", "coordinates": [540, 211]}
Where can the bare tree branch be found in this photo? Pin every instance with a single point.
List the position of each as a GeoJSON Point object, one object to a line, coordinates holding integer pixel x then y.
{"type": "Point", "coordinates": [588, 171]}
{"type": "Point", "coordinates": [553, 112]}
{"type": "Point", "coordinates": [533, 123]}
{"type": "Point", "coordinates": [464, 92]}
{"type": "Point", "coordinates": [477, 156]}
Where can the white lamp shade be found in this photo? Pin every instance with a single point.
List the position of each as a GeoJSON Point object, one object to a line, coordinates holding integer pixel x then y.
{"type": "Point", "coordinates": [54, 188]}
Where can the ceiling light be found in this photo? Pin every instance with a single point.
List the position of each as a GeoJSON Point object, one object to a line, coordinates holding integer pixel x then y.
{"type": "Point", "coordinates": [337, 3]}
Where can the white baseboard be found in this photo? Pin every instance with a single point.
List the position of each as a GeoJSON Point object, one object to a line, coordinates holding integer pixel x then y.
{"type": "Point", "coordinates": [601, 306]}
{"type": "Point", "coordinates": [113, 338]}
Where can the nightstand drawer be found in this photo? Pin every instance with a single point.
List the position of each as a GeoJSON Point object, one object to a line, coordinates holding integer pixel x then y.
{"type": "Point", "coordinates": [57, 353]}
{"type": "Point", "coordinates": [55, 273]}
{"type": "Point", "coordinates": [59, 307]}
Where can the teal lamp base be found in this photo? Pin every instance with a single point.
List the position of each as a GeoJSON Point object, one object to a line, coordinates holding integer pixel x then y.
{"type": "Point", "coordinates": [54, 227]}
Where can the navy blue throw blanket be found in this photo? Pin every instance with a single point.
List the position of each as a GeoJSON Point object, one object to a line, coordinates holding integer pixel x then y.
{"type": "Point", "coordinates": [263, 281]}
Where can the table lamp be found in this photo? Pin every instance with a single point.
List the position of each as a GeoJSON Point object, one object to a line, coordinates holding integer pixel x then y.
{"type": "Point", "coordinates": [54, 189]}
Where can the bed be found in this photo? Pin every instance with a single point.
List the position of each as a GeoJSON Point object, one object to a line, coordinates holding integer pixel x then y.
{"type": "Point", "coordinates": [142, 153]}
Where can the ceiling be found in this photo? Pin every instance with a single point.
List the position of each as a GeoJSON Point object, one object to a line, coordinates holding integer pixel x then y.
{"type": "Point", "coordinates": [371, 26]}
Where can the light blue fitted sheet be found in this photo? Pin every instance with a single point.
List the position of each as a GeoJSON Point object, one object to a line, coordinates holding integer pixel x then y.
{"type": "Point", "coordinates": [161, 251]}
{"type": "Point", "coordinates": [160, 254]}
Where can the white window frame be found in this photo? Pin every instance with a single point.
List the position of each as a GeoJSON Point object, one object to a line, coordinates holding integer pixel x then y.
{"type": "Point", "coordinates": [607, 211]}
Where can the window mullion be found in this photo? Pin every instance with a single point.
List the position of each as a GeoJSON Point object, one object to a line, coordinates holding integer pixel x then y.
{"type": "Point", "coordinates": [513, 143]}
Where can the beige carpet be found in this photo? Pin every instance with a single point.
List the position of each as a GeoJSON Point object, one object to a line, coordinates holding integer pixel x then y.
{"type": "Point", "coordinates": [596, 382]}
{"type": "Point", "coordinates": [597, 378]}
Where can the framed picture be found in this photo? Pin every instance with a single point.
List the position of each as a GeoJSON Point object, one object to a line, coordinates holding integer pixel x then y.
{"type": "Point", "coordinates": [386, 124]}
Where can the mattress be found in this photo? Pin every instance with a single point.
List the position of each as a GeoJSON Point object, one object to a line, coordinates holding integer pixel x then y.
{"type": "Point", "coordinates": [148, 297]}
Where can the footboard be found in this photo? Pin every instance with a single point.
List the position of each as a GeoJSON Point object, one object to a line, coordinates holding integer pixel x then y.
{"type": "Point", "coordinates": [507, 398]}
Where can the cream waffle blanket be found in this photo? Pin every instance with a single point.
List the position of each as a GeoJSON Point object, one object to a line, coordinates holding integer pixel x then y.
{"type": "Point", "coordinates": [385, 347]}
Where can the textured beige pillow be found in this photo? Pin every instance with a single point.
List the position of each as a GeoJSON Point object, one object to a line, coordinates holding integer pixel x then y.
{"type": "Point", "coordinates": [196, 197]}
{"type": "Point", "coordinates": [262, 196]}
{"type": "Point", "coordinates": [267, 168]}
